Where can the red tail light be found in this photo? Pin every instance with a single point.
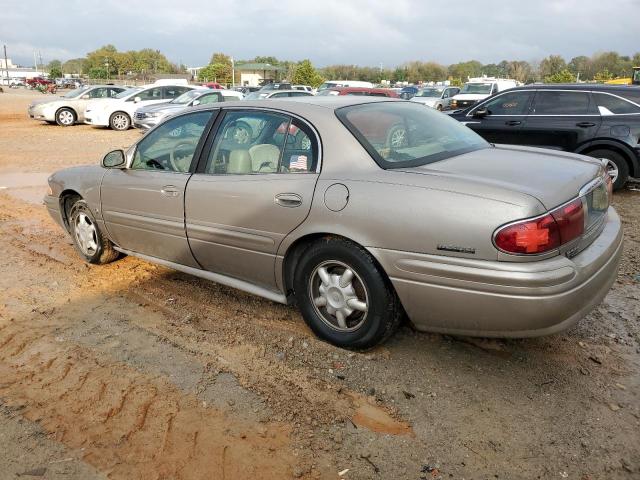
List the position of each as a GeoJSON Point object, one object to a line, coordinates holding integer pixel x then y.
{"type": "Point", "coordinates": [543, 234]}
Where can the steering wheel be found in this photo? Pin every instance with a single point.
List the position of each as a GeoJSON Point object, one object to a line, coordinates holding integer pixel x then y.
{"type": "Point", "coordinates": [175, 159]}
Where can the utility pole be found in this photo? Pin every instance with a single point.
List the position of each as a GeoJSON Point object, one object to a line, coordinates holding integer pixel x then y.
{"type": "Point", "coordinates": [233, 72]}
{"type": "Point", "coordinates": [6, 64]}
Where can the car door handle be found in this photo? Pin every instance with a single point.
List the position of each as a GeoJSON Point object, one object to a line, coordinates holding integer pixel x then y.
{"type": "Point", "coordinates": [513, 123]}
{"type": "Point", "coordinates": [288, 199]}
{"type": "Point", "coordinates": [169, 191]}
{"type": "Point", "coordinates": [585, 124]}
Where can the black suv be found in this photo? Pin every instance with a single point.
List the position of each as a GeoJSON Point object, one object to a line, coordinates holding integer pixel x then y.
{"type": "Point", "coordinates": [602, 121]}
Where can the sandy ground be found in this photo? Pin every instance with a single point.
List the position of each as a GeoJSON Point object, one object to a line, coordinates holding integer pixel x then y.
{"type": "Point", "coordinates": [133, 371]}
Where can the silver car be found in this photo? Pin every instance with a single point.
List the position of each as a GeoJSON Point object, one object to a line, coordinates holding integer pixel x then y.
{"type": "Point", "coordinates": [279, 94]}
{"type": "Point", "coordinates": [436, 97]}
{"type": "Point", "coordinates": [69, 109]}
{"type": "Point", "coordinates": [311, 202]}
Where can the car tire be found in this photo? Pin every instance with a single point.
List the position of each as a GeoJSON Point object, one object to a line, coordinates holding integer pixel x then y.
{"type": "Point", "coordinates": [375, 310]}
{"type": "Point", "coordinates": [90, 242]}
{"type": "Point", "coordinates": [615, 163]}
{"type": "Point", "coordinates": [120, 121]}
{"type": "Point", "coordinates": [65, 117]}
{"type": "Point", "coordinates": [439, 107]}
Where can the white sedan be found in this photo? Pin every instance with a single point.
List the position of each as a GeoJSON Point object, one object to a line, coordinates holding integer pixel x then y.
{"type": "Point", "coordinates": [117, 113]}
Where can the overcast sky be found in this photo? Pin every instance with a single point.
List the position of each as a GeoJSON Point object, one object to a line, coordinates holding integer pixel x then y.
{"type": "Point", "coordinates": [359, 32]}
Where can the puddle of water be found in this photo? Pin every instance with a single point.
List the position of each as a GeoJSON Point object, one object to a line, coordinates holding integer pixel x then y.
{"type": "Point", "coordinates": [22, 180]}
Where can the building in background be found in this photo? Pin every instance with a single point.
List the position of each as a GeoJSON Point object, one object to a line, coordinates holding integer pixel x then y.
{"type": "Point", "coordinates": [256, 74]}
{"type": "Point", "coordinates": [10, 72]}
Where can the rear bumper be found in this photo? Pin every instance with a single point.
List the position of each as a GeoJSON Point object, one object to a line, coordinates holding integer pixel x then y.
{"type": "Point", "coordinates": [504, 299]}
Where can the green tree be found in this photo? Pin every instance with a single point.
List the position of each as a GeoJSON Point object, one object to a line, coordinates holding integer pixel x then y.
{"type": "Point", "coordinates": [463, 70]}
{"type": "Point", "coordinates": [603, 76]}
{"type": "Point", "coordinates": [306, 74]}
{"type": "Point", "coordinates": [220, 58]}
{"type": "Point", "coordinates": [552, 65]}
{"type": "Point", "coordinates": [55, 69]}
{"type": "Point", "coordinates": [563, 76]}
{"type": "Point", "coordinates": [75, 65]}
{"type": "Point", "coordinates": [269, 60]}
{"type": "Point", "coordinates": [216, 72]}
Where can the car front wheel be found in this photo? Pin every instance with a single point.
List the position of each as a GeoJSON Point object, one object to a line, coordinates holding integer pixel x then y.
{"type": "Point", "coordinates": [120, 121]}
{"type": "Point", "coordinates": [616, 165]}
{"type": "Point", "coordinates": [90, 242]}
{"type": "Point", "coordinates": [65, 117]}
{"type": "Point", "coordinates": [344, 296]}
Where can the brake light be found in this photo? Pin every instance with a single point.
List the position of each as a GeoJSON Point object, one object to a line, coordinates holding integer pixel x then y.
{"type": "Point", "coordinates": [530, 237]}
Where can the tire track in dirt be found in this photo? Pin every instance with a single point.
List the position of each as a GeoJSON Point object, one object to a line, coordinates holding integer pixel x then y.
{"type": "Point", "coordinates": [129, 425]}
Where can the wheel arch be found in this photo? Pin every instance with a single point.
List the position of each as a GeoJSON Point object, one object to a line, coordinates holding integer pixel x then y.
{"type": "Point", "coordinates": [67, 198]}
{"type": "Point", "coordinates": [618, 147]}
{"type": "Point", "coordinates": [295, 251]}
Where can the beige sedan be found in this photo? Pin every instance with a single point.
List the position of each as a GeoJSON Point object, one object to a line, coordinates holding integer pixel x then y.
{"type": "Point", "coordinates": [360, 211]}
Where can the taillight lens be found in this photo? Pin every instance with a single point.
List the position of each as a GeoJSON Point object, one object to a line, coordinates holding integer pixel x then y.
{"type": "Point", "coordinates": [530, 237]}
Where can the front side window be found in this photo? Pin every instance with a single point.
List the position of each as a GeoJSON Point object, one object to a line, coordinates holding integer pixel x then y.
{"type": "Point", "coordinates": [398, 134]}
{"type": "Point", "coordinates": [556, 102]}
{"type": "Point", "coordinates": [99, 93]}
{"type": "Point", "coordinates": [113, 92]}
{"type": "Point", "coordinates": [612, 105]}
{"type": "Point", "coordinates": [148, 94]}
{"type": "Point", "coordinates": [514, 103]}
{"type": "Point", "coordinates": [260, 143]}
{"type": "Point", "coordinates": [171, 146]}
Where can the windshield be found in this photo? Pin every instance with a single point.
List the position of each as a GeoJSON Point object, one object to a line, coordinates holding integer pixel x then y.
{"type": "Point", "coordinates": [636, 76]}
{"type": "Point", "coordinates": [429, 92]}
{"type": "Point", "coordinates": [399, 134]}
{"type": "Point", "coordinates": [187, 96]}
{"type": "Point", "coordinates": [75, 93]}
{"type": "Point", "coordinates": [128, 92]}
{"type": "Point", "coordinates": [480, 88]}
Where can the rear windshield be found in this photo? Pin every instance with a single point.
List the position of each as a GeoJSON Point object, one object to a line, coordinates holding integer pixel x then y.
{"type": "Point", "coordinates": [405, 134]}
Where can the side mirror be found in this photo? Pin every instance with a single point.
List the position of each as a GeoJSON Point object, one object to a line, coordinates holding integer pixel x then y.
{"type": "Point", "coordinates": [195, 103]}
{"type": "Point", "coordinates": [481, 112]}
{"type": "Point", "coordinates": [114, 159]}
{"type": "Point", "coordinates": [86, 96]}
{"type": "Point", "coordinates": [137, 99]}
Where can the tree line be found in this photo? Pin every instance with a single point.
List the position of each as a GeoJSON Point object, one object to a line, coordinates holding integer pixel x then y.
{"type": "Point", "coordinates": [107, 61]}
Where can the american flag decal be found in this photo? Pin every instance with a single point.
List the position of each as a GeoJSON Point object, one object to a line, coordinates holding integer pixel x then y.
{"type": "Point", "coordinates": [298, 162]}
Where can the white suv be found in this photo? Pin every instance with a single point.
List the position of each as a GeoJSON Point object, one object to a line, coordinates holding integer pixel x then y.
{"type": "Point", "coordinates": [117, 112]}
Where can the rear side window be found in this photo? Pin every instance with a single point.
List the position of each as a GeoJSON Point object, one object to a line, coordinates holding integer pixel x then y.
{"type": "Point", "coordinates": [561, 103]}
{"type": "Point", "coordinates": [405, 134]}
{"type": "Point", "coordinates": [611, 105]}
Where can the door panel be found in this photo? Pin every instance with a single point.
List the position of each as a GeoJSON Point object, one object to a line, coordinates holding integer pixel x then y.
{"type": "Point", "coordinates": [143, 205]}
{"type": "Point", "coordinates": [505, 116]}
{"type": "Point", "coordinates": [143, 211]}
{"type": "Point", "coordinates": [255, 187]}
{"type": "Point", "coordinates": [235, 224]}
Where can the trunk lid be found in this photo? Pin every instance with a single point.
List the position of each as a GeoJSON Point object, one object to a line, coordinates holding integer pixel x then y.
{"type": "Point", "coordinates": [551, 177]}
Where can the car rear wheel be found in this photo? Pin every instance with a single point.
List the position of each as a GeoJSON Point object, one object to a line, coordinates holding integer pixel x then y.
{"type": "Point", "coordinates": [439, 107]}
{"type": "Point", "coordinates": [90, 242]}
{"type": "Point", "coordinates": [616, 165]}
{"type": "Point", "coordinates": [120, 121]}
{"type": "Point", "coordinates": [65, 117]}
{"type": "Point", "coordinates": [344, 296]}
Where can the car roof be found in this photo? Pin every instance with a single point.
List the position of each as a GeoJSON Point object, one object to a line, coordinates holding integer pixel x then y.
{"type": "Point", "coordinates": [298, 104]}
{"type": "Point", "coordinates": [285, 91]}
{"type": "Point", "coordinates": [595, 87]}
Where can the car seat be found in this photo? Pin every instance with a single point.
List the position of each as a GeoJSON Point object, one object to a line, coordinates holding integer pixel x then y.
{"type": "Point", "coordinates": [264, 158]}
{"type": "Point", "coordinates": [239, 162]}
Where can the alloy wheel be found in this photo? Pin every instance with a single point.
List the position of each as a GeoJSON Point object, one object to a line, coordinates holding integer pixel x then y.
{"type": "Point", "coordinates": [612, 169]}
{"type": "Point", "coordinates": [86, 235]}
{"type": "Point", "coordinates": [65, 117]}
{"type": "Point", "coordinates": [120, 121]}
{"type": "Point", "coordinates": [339, 296]}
